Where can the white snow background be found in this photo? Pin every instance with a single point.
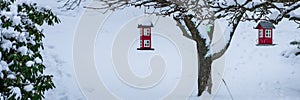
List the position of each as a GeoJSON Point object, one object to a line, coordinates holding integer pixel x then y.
{"type": "Point", "coordinates": [251, 72]}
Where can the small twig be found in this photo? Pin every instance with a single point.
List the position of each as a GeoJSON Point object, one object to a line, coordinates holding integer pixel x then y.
{"type": "Point", "coordinates": [227, 88]}
{"type": "Point", "coordinates": [156, 21]}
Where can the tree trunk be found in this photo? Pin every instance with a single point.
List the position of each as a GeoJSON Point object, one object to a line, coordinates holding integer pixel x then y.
{"type": "Point", "coordinates": [204, 71]}
{"type": "Point", "coordinates": [204, 63]}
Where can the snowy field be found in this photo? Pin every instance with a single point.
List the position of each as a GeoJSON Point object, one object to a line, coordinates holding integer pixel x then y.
{"type": "Point", "coordinates": [261, 72]}
{"type": "Point", "coordinates": [251, 72]}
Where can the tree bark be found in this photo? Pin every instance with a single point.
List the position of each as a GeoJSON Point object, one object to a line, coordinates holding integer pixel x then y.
{"type": "Point", "coordinates": [204, 70]}
{"type": "Point", "coordinates": [204, 63]}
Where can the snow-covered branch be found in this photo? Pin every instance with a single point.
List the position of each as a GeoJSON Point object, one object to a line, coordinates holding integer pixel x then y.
{"type": "Point", "coordinates": [257, 10]}
{"type": "Point", "coordinates": [252, 10]}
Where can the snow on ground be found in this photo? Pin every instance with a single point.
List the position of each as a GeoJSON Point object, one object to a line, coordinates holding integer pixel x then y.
{"type": "Point", "coordinates": [58, 54]}
{"type": "Point", "coordinates": [261, 72]}
{"type": "Point", "coordinates": [251, 72]}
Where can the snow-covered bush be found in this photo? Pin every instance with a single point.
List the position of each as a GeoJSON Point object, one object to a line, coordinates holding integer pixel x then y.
{"type": "Point", "coordinates": [21, 64]}
{"type": "Point", "coordinates": [298, 47]}
{"type": "Point", "coordinates": [292, 52]}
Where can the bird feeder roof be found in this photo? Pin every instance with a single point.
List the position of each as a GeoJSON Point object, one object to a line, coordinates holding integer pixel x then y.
{"type": "Point", "coordinates": [265, 24]}
{"type": "Point", "coordinates": [145, 22]}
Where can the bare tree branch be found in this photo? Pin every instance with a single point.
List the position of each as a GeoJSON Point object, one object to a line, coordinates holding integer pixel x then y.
{"type": "Point", "coordinates": [184, 32]}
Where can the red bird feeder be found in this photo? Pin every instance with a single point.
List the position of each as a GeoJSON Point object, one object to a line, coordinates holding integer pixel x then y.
{"type": "Point", "coordinates": [145, 35]}
{"type": "Point", "coordinates": [265, 33]}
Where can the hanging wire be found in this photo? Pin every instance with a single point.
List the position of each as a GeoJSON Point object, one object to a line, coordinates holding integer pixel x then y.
{"type": "Point", "coordinates": [227, 88]}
